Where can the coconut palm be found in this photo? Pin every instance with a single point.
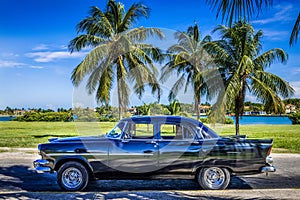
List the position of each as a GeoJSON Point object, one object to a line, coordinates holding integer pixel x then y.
{"type": "Point", "coordinates": [174, 107]}
{"type": "Point", "coordinates": [242, 65]}
{"type": "Point", "coordinates": [189, 59]}
{"type": "Point", "coordinates": [234, 10]}
{"type": "Point", "coordinates": [144, 109]}
{"type": "Point", "coordinates": [118, 52]}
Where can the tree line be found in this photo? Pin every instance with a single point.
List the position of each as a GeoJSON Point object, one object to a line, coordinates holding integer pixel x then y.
{"type": "Point", "coordinates": [225, 69]}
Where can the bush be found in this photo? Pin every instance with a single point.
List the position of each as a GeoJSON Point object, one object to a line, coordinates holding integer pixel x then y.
{"type": "Point", "coordinates": [227, 120]}
{"type": "Point", "coordinates": [295, 118]}
{"type": "Point", "coordinates": [205, 120]}
{"type": "Point", "coordinates": [45, 117]}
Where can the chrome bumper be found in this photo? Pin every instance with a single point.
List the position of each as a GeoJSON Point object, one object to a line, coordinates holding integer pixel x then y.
{"type": "Point", "coordinates": [269, 167]}
{"type": "Point", "coordinates": [40, 167]}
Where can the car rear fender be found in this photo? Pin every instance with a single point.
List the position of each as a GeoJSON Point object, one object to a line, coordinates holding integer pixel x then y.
{"type": "Point", "coordinates": [196, 169]}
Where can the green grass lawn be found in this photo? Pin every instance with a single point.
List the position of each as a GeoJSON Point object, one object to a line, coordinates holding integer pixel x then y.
{"type": "Point", "coordinates": [30, 134]}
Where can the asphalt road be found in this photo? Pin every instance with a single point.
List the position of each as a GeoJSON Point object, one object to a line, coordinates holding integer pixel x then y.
{"type": "Point", "coordinates": [18, 180]}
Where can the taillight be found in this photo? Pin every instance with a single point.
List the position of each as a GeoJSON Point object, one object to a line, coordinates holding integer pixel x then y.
{"type": "Point", "coordinates": [269, 151]}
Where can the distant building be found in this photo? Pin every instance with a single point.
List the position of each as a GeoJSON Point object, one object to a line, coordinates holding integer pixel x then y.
{"type": "Point", "coordinates": [132, 111]}
{"type": "Point", "coordinates": [19, 112]}
{"type": "Point", "coordinates": [204, 109]}
{"type": "Point", "coordinates": [290, 108]}
{"type": "Point", "coordinates": [255, 113]}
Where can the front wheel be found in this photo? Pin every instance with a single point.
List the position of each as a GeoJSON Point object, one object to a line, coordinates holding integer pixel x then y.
{"type": "Point", "coordinates": [72, 176]}
{"type": "Point", "coordinates": [213, 178]}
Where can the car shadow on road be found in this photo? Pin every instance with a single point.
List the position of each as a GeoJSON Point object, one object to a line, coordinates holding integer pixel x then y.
{"type": "Point", "coordinates": [20, 177]}
{"type": "Point", "coordinates": [22, 182]}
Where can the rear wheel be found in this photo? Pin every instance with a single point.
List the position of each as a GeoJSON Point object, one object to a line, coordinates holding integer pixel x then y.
{"type": "Point", "coordinates": [72, 176]}
{"type": "Point", "coordinates": [213, 178]}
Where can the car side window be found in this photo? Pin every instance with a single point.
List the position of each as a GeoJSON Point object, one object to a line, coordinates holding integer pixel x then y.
{"type": "Point", "coordinates": [176, 131]}
{"type": "Point", "coordinates": [139, 131]}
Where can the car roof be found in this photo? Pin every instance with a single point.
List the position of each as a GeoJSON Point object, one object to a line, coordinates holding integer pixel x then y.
{"type": "Point", "coordinates": [162, 118]}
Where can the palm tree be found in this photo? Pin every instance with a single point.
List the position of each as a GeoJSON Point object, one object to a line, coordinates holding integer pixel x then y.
{"type": "Point", "coordinates": [174, 107]}
{"type": "Point", "coordinates": [233, 10]}
{"type": "Point", "coordinates": [144, 109]}
{"type": "Point", "coordinates": [118, 52]}
{"type": "Point", "coordinates": [242, 65]}
{"type": "Point", "coordinates": [188, 59]}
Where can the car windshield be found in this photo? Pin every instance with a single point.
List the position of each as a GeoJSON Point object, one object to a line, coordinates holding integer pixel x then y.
{"type": "Point", "coordinates": [116, 132]}
{"type": "Point", "coordinates": [206, 133]}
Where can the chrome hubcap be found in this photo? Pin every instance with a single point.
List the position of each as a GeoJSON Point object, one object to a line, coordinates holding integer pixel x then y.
{"type": "Point", "coordinates": [72, 177]}
{"type": "Point", "coordinates": [214, 177]}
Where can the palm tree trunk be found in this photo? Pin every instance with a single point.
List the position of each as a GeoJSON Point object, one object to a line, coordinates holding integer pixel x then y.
{"type": "Point", "coordinates": [120, 98]}
{"type": "Point", "coordinates": [197, 108]}
{"type": "Point", "coordinates": [237, 124]}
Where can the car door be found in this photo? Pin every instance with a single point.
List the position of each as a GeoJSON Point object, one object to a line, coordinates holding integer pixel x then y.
{"type": "Point", "coordinates": [179, 147]}
{"type": "Point", "coordinates": [137, 150]}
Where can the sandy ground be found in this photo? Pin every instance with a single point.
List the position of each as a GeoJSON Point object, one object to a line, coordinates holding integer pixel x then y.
{"type": "Point", "coordinates": [18, 180]}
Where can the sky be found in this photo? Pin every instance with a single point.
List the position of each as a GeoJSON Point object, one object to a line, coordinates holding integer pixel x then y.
{"type": "Point", "coordinates": [36, 66]}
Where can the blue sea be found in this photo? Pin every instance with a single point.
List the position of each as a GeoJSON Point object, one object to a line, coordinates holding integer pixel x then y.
{"type": "Point", "coordinates": [245, 120]}
{"type": "Point", "coordinates": [6, 118]}
{"type": "Point", "coordinates": [276, 120]}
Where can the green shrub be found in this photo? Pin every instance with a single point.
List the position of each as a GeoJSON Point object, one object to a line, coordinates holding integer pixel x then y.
{"type": "Point", "coordinates": [295, 118]}
{"type": "Point", "coordinates": [45, 117]}
{"type": "Point", "coordinates": [207, 121]}
{"type": "Point", "coordinates": [229, 121]}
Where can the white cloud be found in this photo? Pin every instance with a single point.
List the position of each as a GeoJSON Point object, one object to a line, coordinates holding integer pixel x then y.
{"type": "Point", "coordinates": [296, 86]}
{"type": "Point", "coordinates": [40, 47]}
{"type": "Point", "coordinates": [275, 35]}
{"type": "Point", "coordinates": [11, 64]}
{"type": "Point", "coordinates": [64, 47]}
{"type": "Point", "coordinates": [9, 55]}
{"type": "Point", "coordinates": [49, 56]}
{"type": "Point", "coordinates": [282, 15]}
{"type": "Point", "coordinates": [36, 67]}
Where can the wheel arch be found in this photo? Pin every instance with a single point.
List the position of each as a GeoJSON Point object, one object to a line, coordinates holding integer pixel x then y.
{"type": "Point", "coordinates": [197, 169]}
{"type": "Point", "coordinates": [80, 160]}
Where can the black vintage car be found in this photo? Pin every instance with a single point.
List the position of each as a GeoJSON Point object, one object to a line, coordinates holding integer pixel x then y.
{"type": "Point", "coordinates": [151, 145]}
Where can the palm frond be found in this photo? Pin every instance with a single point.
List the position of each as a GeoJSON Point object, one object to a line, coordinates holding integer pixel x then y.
{"type": "Point", "coordinates": [295, 32]}
{"type": "Point", "coordinates": [232, 10]}
{"type": "Point", "coordinates": [269, 57]}
{"type": "Point", "coordinates": [274, 82]}
{"type": "Point", "coordinates": [176, 87]}
{"type": "Point", "coordinates": [84, 41]}
{"type": "Point", "coordinates": [90, 62]}
{"type": "Point", "coordinates": [140, 34]}
{"type": "Point", "coordinates": [104, 86]}
{"type": "Point", "coordinates": [136, 11]}
{"type": "Point", "coordinates": [96, 24]}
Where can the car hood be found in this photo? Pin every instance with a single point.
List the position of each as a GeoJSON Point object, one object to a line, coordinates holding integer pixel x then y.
{"type": "Point", "coordinates": [77, 139]}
